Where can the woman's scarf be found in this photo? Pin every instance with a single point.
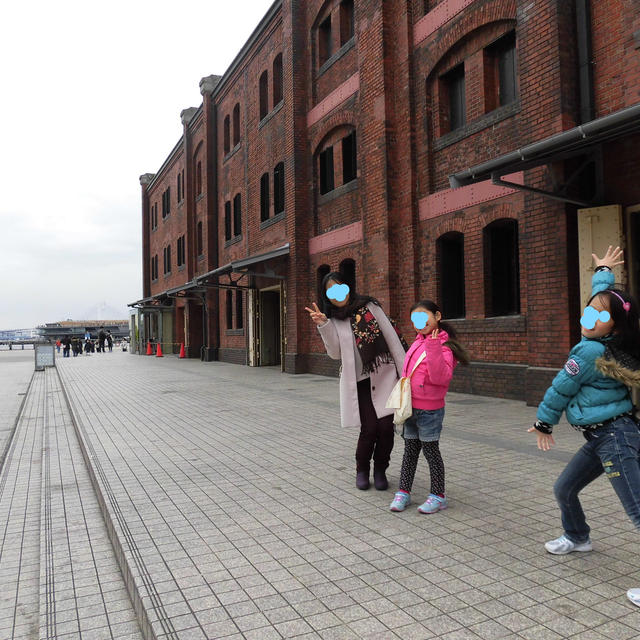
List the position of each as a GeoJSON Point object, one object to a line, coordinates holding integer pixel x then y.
{"type": "Point", "coordinates": [371, 344]}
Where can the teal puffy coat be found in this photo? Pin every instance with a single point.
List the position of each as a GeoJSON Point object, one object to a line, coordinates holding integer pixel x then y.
{"type": "Point", "coordinates": [580, 388]}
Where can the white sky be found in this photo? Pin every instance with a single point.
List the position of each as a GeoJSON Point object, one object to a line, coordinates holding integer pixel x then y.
{"type": "Point", "coordinates": [91, 94]}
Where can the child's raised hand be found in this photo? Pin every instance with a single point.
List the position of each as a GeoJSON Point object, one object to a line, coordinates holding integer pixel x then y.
{"type": "Point", "coordinates": [434, 334]}
{"type": "Point", "coordinates": [316, 315]}
{"type": "Point", "coordinates": [545, 440]}
{"type": "Point", "coordinates": [612, 258]}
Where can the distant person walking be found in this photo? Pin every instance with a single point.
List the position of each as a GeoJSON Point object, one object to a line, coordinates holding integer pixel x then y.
{"type": "Point", "coordinates": [102, 336]}
{"type": "Point", "coordinates": [58, 344]}
{"type": "Point", "coordinates": [110, 341]}
{"type": "Point", "coordinates": [66, 346]}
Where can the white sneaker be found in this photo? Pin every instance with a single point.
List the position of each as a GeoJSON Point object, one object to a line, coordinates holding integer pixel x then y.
{"type": "Point", "coordinates": [562, 545]}
{"type": "Point", "coordinates": [634, 596]}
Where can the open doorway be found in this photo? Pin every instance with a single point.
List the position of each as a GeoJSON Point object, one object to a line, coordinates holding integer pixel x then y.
{"type": "Point", "coordinates": [270, 330]}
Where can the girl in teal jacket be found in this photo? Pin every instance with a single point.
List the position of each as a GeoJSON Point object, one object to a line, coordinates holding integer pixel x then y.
{"type": "Point", "coordinates": [593, 389]}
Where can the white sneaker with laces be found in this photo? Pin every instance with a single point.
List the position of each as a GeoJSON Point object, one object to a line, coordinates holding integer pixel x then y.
{"type": "Point", "coordinates": [562, 545]}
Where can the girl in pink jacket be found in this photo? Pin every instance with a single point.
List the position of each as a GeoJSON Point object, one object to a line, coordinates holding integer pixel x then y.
{"type": "Point", "coordinates": [436, 353]}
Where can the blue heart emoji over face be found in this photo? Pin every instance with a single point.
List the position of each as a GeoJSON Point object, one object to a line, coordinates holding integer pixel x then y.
{"type": "Point", "coordinates": [419, 319]}
{"type": "Point", "coordinates": [338, 292]}
{"type": "Point", "coordinates": [591, 315]}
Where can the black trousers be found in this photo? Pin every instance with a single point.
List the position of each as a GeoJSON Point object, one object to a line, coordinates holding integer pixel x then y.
{"type": "Point", "coordinates": [376, 434]}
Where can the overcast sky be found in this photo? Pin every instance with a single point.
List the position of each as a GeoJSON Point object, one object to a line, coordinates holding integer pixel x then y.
{"type": "Point", "coordinates": [91, 99]}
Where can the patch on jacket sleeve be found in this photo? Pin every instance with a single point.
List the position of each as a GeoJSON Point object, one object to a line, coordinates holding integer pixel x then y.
{"type": "Point", "coordinates": [572, 367]}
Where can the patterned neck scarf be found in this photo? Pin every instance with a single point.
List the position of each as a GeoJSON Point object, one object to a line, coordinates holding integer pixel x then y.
{"type": "Point", "coordinates": [371, 344]}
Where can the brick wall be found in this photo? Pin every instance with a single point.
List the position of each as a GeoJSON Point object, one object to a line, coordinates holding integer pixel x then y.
{"type": "Point", "coordinates": [387, 86]}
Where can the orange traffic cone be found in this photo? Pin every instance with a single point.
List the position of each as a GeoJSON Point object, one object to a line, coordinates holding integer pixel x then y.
{"type": "Point", "coordinates": [182, 355]}
{"type": "Point", "coordinates": [159, 351]}
{"type": "Point", "coordinates": [149, 349]}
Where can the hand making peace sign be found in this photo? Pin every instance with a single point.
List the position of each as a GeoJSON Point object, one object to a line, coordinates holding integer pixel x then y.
{"type": "Point", "coordinates": [316, 315]}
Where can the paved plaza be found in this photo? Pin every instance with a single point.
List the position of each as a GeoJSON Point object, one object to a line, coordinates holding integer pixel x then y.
{"type": "Point", "coordinates": [145, 497]}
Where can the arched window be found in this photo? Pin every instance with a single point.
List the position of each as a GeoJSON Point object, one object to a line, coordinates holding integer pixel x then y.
{"type": "Point", "coordinates": [277, 80]}
{"type": "Point", "coordinates": [323, 269]}
{"type": "Point", "coordinates": [227, 134]}
{"type": "Point", "coordinates": [450, 258]}
{"type": "Point", "coordinates": [501, 268]}
{"type": "Point", "coordinates": [264, 94]}
{"type": "Point", "coordinates": [348, 271]}
{"type": "Point", "coordinates": [236, 124]}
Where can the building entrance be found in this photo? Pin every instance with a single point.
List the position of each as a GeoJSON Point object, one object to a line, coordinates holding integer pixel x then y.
{"type": "Point", "coordinates": [270, 331]}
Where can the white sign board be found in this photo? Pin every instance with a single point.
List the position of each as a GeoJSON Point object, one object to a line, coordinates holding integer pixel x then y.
{"type": "Point", "coordinates": [45, 356]}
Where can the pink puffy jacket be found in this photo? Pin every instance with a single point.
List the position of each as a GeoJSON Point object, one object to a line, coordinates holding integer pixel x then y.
{"type": "Point", "coordinates": [430, 382]}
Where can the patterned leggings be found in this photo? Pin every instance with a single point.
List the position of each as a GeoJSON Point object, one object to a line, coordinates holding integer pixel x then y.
{"type": "Point", "coordinates": [431, 452]}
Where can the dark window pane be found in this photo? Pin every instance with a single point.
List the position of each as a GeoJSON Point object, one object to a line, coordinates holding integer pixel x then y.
{"type": "Point", "coordinates": [346, 21]}
{"type": "Point", "coordinates": [326, 170]}
{"type": "Point", "coordinates": [277, 79]}
{"type": "Point", "coordinates": [264, 94]}
{"type": "Point", "coordinates": [278, 188]}
{"type": "Point", "coordinates": [199, 239]}
{"type": "Point", "coordinates": [348, 271]}
{"type": "Point", "coordinates": [236, 125]}
{"type": "Point", "coordinates": [507, 68]}
{"type": "Point", "coordinates": [237, 216]}
{"type": "Point", "coordinates": [324, 41]}
{"type": "Point", "coordinates": [502, 268]}
{"type": "Point", "coordinates": [450, 253]}
{"type": "Point", "coordinates": [227, 134]}
{"type": "Point", "coordinates": [454, 81]}
{"type": "Point", "coordinates": [349, 158]}
{"type": "Point", "coordinates": [264, 197]}
{"type": "Point", "coordinates": [227, 219]}
{"type": "Point", "coordinates": [239, 315]}
{"type": "Point", "coordinates": [229, 309]}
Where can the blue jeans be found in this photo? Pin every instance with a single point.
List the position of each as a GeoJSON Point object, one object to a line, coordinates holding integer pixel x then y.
{"type": "Point", "coordinates": [614, 450]}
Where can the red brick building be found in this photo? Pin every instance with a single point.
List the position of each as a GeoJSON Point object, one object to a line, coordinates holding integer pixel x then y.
{"type": "Point", "coordinates": [471, 151]}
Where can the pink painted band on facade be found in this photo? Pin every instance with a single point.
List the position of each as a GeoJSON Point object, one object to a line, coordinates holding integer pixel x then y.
{"type": "Point", "coordinates": [334, 99]}
{"type": "Point", "coordinates": [448, 200]}
{"type": "Point", "coordinates": [439, 15]}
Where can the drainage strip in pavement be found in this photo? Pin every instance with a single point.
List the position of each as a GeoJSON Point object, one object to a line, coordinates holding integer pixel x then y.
{"type": "Point", "coordinates": [20, 479]}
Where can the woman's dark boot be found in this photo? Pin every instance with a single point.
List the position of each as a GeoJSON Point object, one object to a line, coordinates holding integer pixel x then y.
{"type": "Point", "coordinates": [380, 479]}
{"type": "Point", "coordinates": [362, 480]}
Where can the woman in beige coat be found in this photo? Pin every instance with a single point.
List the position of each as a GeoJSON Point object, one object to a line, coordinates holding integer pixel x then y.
{"type": "Point", "coordinates": [355, 330]}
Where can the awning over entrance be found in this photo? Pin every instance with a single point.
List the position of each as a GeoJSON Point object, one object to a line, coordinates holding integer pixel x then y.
{"type": "Point", "coordinates": [240, 266]}
{"type": "Point", "coordinates": [185, 289]}
{"type": "Point", "coordinates": [152, 302]}
{"type": "Point", "coordinates": [573, 142]}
